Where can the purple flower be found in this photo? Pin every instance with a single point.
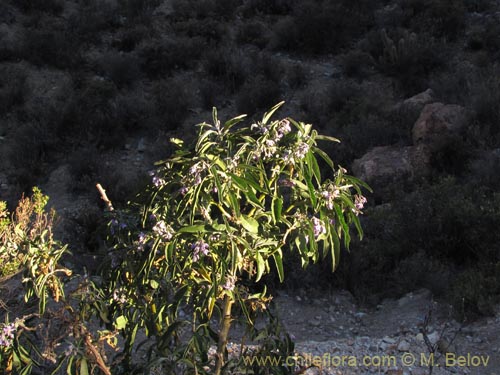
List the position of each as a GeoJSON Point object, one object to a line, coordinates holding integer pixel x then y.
{"type": "Point", "coordinates": [198, 247]}
{"type": "Point", "coordinates": [112, 225]}
{"type": "Point", "coordinates": [329, 197]}
{"type": "Point", "coordinates": [284, 127]}
{"type": "Point", "coordinates": [163, 230]}
{"type": "Point", "coordinates": [301, 150]}
{"type": "Point", "coordinates": [7, 335]}
{"type": "Point", "coordinates": [142, 241]}
{"type": "Point", "coordinates": [183, 190]}
{"type": "Point", "coordinates": [230, 283]}
{"type": "Point", "coordinates": [318, 227]}
{"type": "Point", "coordinates": [158, 182]}
{"type": "Point", "coordinates": [359, 203]}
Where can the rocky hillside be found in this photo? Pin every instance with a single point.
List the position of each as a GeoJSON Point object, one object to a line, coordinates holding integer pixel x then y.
{"type": "Point", "coordinates": [90, 91]}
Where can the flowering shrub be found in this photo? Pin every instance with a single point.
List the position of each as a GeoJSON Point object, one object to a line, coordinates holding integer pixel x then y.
{"type": "Point", "coordinates": [220, 214]}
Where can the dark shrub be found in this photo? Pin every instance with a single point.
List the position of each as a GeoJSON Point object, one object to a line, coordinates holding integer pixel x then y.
{"type": "Point", "coordinates": [138, 10]}
{"type": "Point", "coordinates": [410, 58]}
{"type": "Point", "coordinates": [123, 69]}
{"type": "Point", "coordinates": [54, 7]}
{"type": "Point", "coordinates": [320, 27]}
{"type": "Point", "coordinates": [296, 76]}
{"type": "Point", "coordinates": [134, 110]}
{"type": "Point", "coordinates": [277, 7]}
{"type": "Point", "coordinates": [357, 64]}
{"type": "Point", "coordinates": [211, 94]}
{"type": "Point", "coordinates": [209, 30]}
{"type": "Point", "coordinates": [253, 32]}
{"type": "Point", "coordinates": [256, 94]}
{"type": "Point", "coordinates": [93, 17]}
{"type": "Point", "coordinates": [172, 103]}
{"type": "Point", "coordinates": [90, 116]}
{"type": "Point", "coordinates": [476, 291]}
{"type": "Point", "coordinates": [52, 46]}
{"type": "Point", "coordinates": [128, 39]}
{"type": "Point", "coordinates": [161, 57]}
{"type": "Point", "coordinates": [427, 237]}
{"type": "Point", "coordinates": [12, 87]}
{"type": "Point", "coordinates": [441, 18]}
{"type": "Point", "coordinates": [30, 148]}
{"type": "Point", "coordinates": [199, 9]}
{"type": "Point", "coordinates": [227, 65]}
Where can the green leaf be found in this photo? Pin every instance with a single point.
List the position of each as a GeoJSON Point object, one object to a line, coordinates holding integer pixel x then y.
{"type": "Point", "coordinates": [249, 223]}
{"type": "Point", "coordinates": [343, 225]}
{"type": "Point", "coordinates": [278, 260]}
{"type": "Point", "coordinates": [324, 156]}
{"type": "Point", "coordinates": [310, 187]}
{"type": "Point", "coordinates": [121, 322]}
{"type": "Point", "coordinates": [154, 284]}
{"type": "Point", "coordinates": [327, 138]}
{"type": "Point", "coordinates": [261, 266]}
{"type": "Point", "coordinates": [176, 141]}
{"type": "Point", "coordinates": [201, 228]}
{"type": "Point", "coordinates": [84, 369]}
{"type": "Point", "coordinates": [276, 208]}
{"type": "Point", "coordinates": [335, 249]}
{"type": "Point", "coordinates": [268, 115]}
{"type": "Point", "coordinates": [233, 203]}
{"type": "Point", "coordinates": [230, 123]}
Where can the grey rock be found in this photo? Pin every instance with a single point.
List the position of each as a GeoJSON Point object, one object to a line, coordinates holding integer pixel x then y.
{"type": "Point", "coordinates": [404, 346]}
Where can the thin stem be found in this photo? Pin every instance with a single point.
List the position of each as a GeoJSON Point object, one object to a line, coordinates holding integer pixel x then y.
{"type": "Point", "coordinates": [223, 334]}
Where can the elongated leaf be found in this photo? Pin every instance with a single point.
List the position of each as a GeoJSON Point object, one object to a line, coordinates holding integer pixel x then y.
{"type": "Point", "coordinates": [278, 261]}
{"type": "Point", "coordinates": [335, 249]}
{"type": "Point", "coordinates": [249, 223]}
{"type": "Point", "coordinates": [276, 207]}
{"type": "Point", "coordinates": [201, 228]}
{"type": "Point", "coordinates": [324, 156]}
{"type": "Point", "coordinates": [268, 115]}
{"type": "Point", "coordinates": [84, 369]}
{"type": "Point", "coordinates": [327, 138]}
{"type": "Point", "coordinates": [234, 204]}
{"type": "Point", "coordinates": [230, 123]}
{"type": "Point", "coordinates": [343, 225]}
{"type": "Point", "coordinates": [261, 266]}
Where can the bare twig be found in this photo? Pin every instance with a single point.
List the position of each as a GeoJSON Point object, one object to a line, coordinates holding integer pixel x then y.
{"type": "Point", "coordinates": [104, 197]}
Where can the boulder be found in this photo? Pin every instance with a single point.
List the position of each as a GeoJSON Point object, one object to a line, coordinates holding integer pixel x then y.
{"type": "Point", "coordinates": [418, 101]}
{"type": "Point", "coordinates": [391, 163]}
{"type": "Point", "coordinates": [439, 125]}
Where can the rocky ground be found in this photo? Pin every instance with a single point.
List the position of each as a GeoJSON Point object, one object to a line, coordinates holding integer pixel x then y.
{"type": "Point", "coordinates": [400, 337]}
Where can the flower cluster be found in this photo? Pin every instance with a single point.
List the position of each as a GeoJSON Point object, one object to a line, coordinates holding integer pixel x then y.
{"type": "Point", "coordinates": [120, 296]}
{"type": "Point", "coordinates": [142, 241]}
{"type": "Point", "coordinates": [230, 282]}
{"type": "Point", "coordinates": [115, 225]}
{"type": "Point", "coordinates": [163, 230]}
{"type": "Point", "coordinates": [196, 170]}
{"type": "Point", "coordinates": [198, 247]}
{"type": "Point", "coordinates": [318, 227]}
{"type": "Point", "coordinates": [359, 203]}
{"type": "Point", "coordinates": [157, 180]}
{"type": "Point", "coordinates": [297, 153]}
{"type": "Point", "coordinates": [329, 195]}
{"type": "Point", "coordinates": [273, 137]}
{"type": "Point", "coordinates": [7, 335]}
